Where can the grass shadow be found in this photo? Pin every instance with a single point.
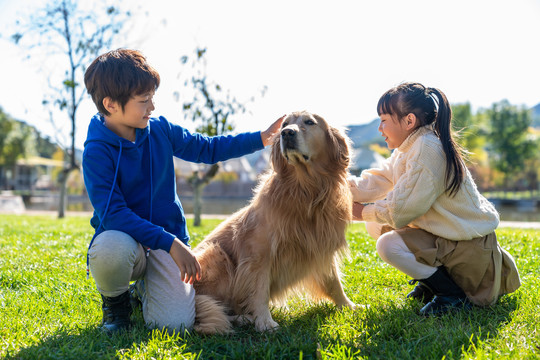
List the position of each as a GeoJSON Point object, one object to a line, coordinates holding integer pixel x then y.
{"type": "Point", "coordinates": [82, 344]}
{"type": "Point", "coordinates": [397, 331]}
{"type": "Point", "coordinates": [389, 331]}
{"type": "Point", "coordinates": [86, 342]}
{"type": "Point", "coordinates": [297, 334]}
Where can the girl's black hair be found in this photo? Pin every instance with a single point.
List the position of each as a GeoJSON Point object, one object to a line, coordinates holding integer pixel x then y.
{"type": "Point", "coordinates": [428, 105]}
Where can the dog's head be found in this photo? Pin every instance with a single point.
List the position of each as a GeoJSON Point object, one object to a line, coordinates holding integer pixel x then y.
{"type": "Point", "coordinates": [306, 141]}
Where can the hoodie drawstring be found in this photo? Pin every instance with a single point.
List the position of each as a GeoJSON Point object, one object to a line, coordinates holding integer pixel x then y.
{"type": "Point", "coordinates": [106, 209]}
{"type": "Point", "coordinates": [151, 182]}
{"type": "Point", "coordinates": [151, 177]}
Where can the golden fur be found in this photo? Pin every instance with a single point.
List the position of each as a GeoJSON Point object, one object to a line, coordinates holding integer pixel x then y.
{"type": "Point", "coordinates": [291, 235]}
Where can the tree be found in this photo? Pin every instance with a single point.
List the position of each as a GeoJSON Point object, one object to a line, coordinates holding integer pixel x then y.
{"type": "Point", "coordinates": [15, 142]}
{"type": "Point", "coordinates": [470, 130]}
{"type": "Point", "coordinates": [471, 135]}
{"type": "Point", "coordinates": [510, 146]}
{"type": "Point", "coordinates": [45, 147]}
{"type": "Point", "coordinates": [70, 37]}
{"type": "Point", "coordinates": [211, 109]}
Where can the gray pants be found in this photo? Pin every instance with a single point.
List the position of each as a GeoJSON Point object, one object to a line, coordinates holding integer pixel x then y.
{"type": "Point", "coordinates": [116, 259]}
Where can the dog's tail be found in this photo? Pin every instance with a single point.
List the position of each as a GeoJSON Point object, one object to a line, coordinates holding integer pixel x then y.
{"type": "Point", "coordinates": [210, 316]}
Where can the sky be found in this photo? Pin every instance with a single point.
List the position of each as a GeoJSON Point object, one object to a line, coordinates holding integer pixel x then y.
{"type": "Point", "coordinates": [333, 58]}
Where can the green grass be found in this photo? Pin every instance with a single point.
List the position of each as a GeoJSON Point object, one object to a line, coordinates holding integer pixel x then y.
{"type": "Point", "coordinates": [516, 195]}
{"type": "Point", "coordinates": [49, 310]}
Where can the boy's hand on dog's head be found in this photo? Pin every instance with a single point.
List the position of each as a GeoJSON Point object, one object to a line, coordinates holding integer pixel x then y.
{"type": "Point", "coordinates": [190, 269]}
{"type": "Point", "coordinates": [268, 135]}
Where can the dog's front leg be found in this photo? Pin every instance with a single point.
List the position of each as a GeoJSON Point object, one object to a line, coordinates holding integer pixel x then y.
{"type": "Point", "coordinates": [261, 312]}
{"type": "Point", "coordinates": [330, 284]}
{"type": "Point", "coordinates": [253, 284]}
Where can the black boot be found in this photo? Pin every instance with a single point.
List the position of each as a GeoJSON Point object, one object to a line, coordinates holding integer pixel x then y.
{"type": "Point", "coordinates": [448, 295]}
{"type": "Point", "coordinates": [116, 312]}
{"type": "Point", "coordinates": [420, 292]}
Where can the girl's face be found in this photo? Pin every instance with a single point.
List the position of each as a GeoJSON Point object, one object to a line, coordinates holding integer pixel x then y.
{"type": "Point", "coordinates": [393, 130]}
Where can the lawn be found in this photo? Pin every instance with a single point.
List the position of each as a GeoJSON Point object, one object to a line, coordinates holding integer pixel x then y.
{"type": "Point", "coordinates": [50, 310]}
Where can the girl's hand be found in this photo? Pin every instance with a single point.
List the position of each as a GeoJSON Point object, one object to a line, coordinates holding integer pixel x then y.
{"type": "Point", "coordinates": [190, 269]}
{"type": "Point", "coordinates": [357, 211]}
{"type": "Point", "coordinates": [269, 133]}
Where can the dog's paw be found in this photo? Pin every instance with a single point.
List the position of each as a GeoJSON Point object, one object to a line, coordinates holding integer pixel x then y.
{"type": "Point", "coordinates": [354, 306]}
{"type": "Point", "coordinates": [265, 324]}
{"type": "Point", "coordinates": [347, 303]}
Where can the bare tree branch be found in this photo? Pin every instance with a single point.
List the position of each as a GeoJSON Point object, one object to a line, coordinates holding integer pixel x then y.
{"type": "Point", "coordinates": [76, 37]}
{"type": "Point", "coordinates": [211, 108]}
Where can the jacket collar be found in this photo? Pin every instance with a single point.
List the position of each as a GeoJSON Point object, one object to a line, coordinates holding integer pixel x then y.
{"type": "Point", "coordinates": [419, 132]}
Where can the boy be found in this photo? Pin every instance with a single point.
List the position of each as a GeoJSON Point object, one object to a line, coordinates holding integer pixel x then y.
{"type": "Point", "coordinates": [140, 228]}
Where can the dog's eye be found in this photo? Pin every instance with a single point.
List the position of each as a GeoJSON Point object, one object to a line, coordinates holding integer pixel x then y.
{"type": "Point", "coordinates": [309, 122]}
{"type": "Point", "coordinates": [284, 124]}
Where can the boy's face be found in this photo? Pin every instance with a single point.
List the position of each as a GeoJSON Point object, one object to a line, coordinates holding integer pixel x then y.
{"type": "Point", "coordinates": [138, 109]}
{"type": "Point", "coordinates": [135, 115]}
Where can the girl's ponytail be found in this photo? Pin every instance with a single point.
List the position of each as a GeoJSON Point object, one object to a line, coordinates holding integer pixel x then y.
{"type": "Point", "coordinates": [455, 168]}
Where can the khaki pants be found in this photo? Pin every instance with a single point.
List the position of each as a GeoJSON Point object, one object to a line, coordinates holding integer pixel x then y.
{"type": "Point", "coordinates": [483, 269]}
{"type": "Point", "coordinates": [116, 259]}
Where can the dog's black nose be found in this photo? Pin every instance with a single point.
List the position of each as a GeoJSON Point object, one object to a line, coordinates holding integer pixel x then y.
{"type": "Point", "coordinates": [288, 133]}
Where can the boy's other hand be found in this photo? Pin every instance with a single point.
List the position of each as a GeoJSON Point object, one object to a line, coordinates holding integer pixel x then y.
{"type": "Point", "coordinates": [190, 269]}
{"type": "Point", "coordinates": [269, 133]}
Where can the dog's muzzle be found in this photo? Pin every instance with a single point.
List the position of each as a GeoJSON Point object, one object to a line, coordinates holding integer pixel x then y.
{"type": "Point", "coordinates": [290, 147]}
{"type": "Point", "coordinates": [288, 138]}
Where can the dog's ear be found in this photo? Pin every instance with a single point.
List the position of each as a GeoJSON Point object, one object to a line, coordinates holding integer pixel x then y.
{"type": "Point", "coordinates": [340, 147]}
{"type": "Point", "coordinates": [339, 144]}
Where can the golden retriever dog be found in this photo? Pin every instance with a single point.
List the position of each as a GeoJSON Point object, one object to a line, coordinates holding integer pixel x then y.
{"type": "Point", "coordinates": [290, 236]}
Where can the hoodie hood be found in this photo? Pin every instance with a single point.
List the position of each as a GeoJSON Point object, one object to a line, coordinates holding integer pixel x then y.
{"type": "Point", "coordinates": [97, 131]}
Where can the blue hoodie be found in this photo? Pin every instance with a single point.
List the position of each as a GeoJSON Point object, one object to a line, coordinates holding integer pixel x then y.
{"type": "Point", "coordinates": [132, 186]}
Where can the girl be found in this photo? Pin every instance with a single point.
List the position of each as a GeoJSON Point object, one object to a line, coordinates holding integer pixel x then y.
{"type": "Point", "coordinates": [425, 211]}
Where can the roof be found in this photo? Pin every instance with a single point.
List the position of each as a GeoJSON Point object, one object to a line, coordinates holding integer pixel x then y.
{"type": "Point", "coordinates": [39, 161]}
{"type": "Point", "coordinates": [237, 165]}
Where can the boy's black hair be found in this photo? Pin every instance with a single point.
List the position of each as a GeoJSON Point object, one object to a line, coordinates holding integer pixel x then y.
{"type": "Point", "coordinates": [119, 74]}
